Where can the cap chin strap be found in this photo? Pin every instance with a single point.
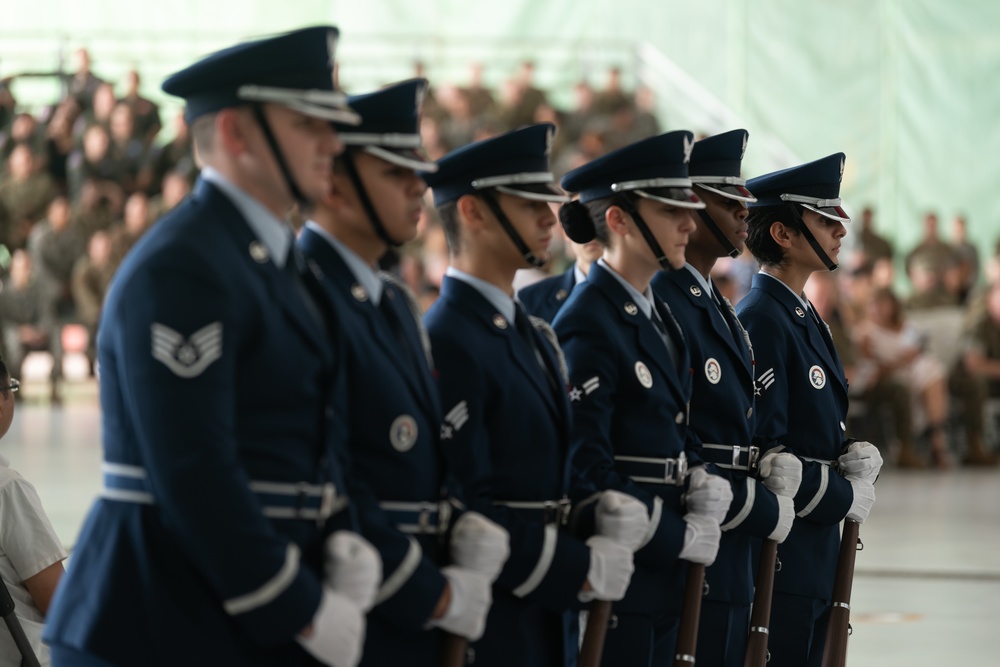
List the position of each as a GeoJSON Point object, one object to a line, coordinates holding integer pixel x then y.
{"type": "Point", "coordinates": [719, 235]}
{"type": "Point", "coordinates": [366, 202]}
{"type": "Point", "coordinates": [522, 247]}
{"type": "Point", "coordinates": [817, 248]}
{"type": "Point", "coordinates": [651, 241]}
{"type": "Point", "coordinates": [257, 109]}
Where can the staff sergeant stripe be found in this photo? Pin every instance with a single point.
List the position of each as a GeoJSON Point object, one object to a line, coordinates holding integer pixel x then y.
{"type": "Point", "coordinates": [458, 415]}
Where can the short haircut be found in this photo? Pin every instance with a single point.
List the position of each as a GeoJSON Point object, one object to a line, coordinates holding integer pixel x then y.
{"type": "Point", "coordinates": [762, 246]}
{"type": "Point", "coordinates": [203, 133]}
{"type": "Point", "coordinates": [450, 224]}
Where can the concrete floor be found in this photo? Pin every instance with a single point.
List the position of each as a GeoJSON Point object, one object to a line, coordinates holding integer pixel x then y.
{"type": "Point", "coordinates": [927, 586]}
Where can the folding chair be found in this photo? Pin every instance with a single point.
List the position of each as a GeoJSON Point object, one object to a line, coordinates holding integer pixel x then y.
{"type": "Point", "coordinates": [28, 657]}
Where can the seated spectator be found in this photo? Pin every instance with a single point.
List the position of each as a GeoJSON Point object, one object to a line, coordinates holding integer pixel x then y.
{"type": "Point", "coordinates": [868, 381]}
{"type": "Point", "coordinates": [93, 162]}
{"type": "Point", "coordinates": [82, 85]}
{"type": "Point", "coordinates": [55, 245]}
{"type": "Point", "coordinates": [135, 223]}
{"type": "Point", "coordinates": [175, 155]}
{"type": "Point", "coordinates": [59, 142]}
{"type": "Point", "coordinates": [977, 377]}
{"type": "Point", "coordinates": [31, 554]}
{"type": "Point", "coordinates": [100, 203]}
{"type": "Point", "coordinates": [897, 350]}
{"type": "Point", "coordinates": [175, 188]}
{"type": "Point", "coordinates": [24, 195]}
{"type": "Point", "coordinates": [26, 324]}
{"type": "Point", "coordinates": [874, 246]}
{"type": "Point", "coordinates": [145, 112]}
{"type": "Point", "coordinates": [91, 277]}
{"type": "Point", "coordinates": [127, 152]}
{"type": "Point", "coordinates": [930, 289]}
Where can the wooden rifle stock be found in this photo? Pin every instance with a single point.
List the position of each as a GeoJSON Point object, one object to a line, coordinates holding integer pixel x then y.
{"type": "Point", "coordinates": [760, 617]}
{"type": "Point", "coordinates": [593, 637]}
{"type": "Point", "coordinates": [687, 633]}
{"type": "Point", "coordinates": [455, 651]}
{"type": "Point", "coordinates": [835, 650]}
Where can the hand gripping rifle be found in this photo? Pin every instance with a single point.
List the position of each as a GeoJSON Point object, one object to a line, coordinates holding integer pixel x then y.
{"type": "Point", "coordinates": [28, 657]}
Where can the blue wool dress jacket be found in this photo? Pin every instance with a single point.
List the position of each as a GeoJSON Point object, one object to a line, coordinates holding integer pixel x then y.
{"type": "Point", "coordinates": [398, 468]}
{"type": "Point", "coordinates": [223, 431]}
{"type": "Point", "coordinates": [722, 415]}
{"type": "Point", "coordinates": [801, 407]}
{"type": "Point", "coordinates": [630, 401]}
{"type": "Point", "coordinates": [506, 433]}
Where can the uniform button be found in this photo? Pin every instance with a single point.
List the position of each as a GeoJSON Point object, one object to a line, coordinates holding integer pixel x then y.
{"type": "Point", "coordinates": [749, 412]}
{"type": "Point", "coordinates": [843, 427]}
{"type": "Point", "coordinates": [328, 412]}
{"type": "Point", "coordinates": [679, 418]}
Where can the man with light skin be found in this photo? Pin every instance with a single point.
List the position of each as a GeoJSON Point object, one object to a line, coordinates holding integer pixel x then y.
{"type": "Point", "coordinates": [221, 538]}
{"type": "Point", "coordinates": [432, 585]}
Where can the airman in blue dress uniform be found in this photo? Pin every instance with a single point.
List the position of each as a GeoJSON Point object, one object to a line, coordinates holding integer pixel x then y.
{"type": "Point", "coordinates": [794, 229]}
{"type": "Point", "coordinates": [398, 466]}
{"type": "Point", "coordinates": [213, 541]}
{"type": "Point", "coordinates": [629, 369]}
{"type": "Point", "coordinates": [722, 398]}
{"type": "Point", "coordinates": [507, 418]}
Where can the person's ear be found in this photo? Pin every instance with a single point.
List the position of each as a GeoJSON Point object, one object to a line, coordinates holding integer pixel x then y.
{"type": "Point", "coordinates": [472, 212]}
{"type": "Point", "coordinates": [617, 220]}
{"type": "Point", "coordinates": [781, 234]}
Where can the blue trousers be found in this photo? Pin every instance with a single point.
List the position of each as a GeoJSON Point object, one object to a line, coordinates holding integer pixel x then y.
{"type": "Point", "coordinates": [640, 640]}
{"type": "Point", "coordinates": [798, 631]}
{"type": "Point", "coordinates": [722, 634]}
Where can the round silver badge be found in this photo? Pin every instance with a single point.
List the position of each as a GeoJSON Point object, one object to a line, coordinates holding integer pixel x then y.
{"type": "Point", "coordinates": [643, 375]}
{"type": "Point", "coordinates": [359, 292]}
{"type": "Point", "coordinates": [561, 295]}
{"type": "Point", "coordinates": [798, 311]}
{"type": "Point", "coordinates": [631, 308]}
{"type": "Point", "coordinates": [403, 433]}
{"type": "Point", "coordinates": [817, 377]}
{"type": "Point", "coordinates": [258, 251]}
{"type": "Point", "coordinates": [499, 321]}
{"type": "Point", "coordinates": [695, 290]}
{"type": "Point", "coordinates": [713, 370]}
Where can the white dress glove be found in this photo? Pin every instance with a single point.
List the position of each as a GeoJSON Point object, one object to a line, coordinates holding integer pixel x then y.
{"type": "Point", "coordinates": [353, 568]}
{"type": "Point", "coordinates": [622, 518]}
{"type": "Point", "coordinates": [479, 545]}
{"type": "Point", "coordinates": [610, 570]}
{"type": "Point", "coordinates": [338, 631]}
{"type": "Point", "coordinates": [864, 498]}
{"type": "Point", "coordinates": [862, 460]}
{"type": "Point", "coordinates": [786, 515]}
{"type": "Point", "coordinates": [701, 539]}
{"type": "Point", "coordinates": [708, 495]}
{"type": "Point", "coordinates": [471, 597]}
{"type": "Point", "coordinates": [781, 473]}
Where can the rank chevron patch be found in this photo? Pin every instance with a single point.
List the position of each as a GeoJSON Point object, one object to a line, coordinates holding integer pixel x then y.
{"type": "Point", "coordinates": [454, 420]}
{"type": "Point", "coordinates": [764, 382]}
{"type": "Point", "coordinates": [187, 358]}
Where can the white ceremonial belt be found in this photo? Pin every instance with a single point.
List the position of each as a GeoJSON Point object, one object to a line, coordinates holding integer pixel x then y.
{"type": "Point", "coordinates": [279, 500]}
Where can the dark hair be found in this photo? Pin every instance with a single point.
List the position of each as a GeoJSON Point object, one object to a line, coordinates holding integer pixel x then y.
{"type": "Point", "coordinates": [448, 213]}
{"type": "Point", "coordinates": [4, 372]}
{"type": "Point", "coordinates": [762, 246]}
{"type": "Point", "coordinates": [585, 222]}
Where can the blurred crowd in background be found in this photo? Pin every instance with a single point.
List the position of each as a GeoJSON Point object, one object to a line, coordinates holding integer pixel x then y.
{"type": "Point", "coordinates": [83, 178]}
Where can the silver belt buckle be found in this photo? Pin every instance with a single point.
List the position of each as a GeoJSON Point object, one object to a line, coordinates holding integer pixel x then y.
{"type": "Point", "coordinates": [753, 459]}
{"type": "Point", "coordinates": [736, 456]}
{"type": "Point", "coordinates": [682, 469]}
